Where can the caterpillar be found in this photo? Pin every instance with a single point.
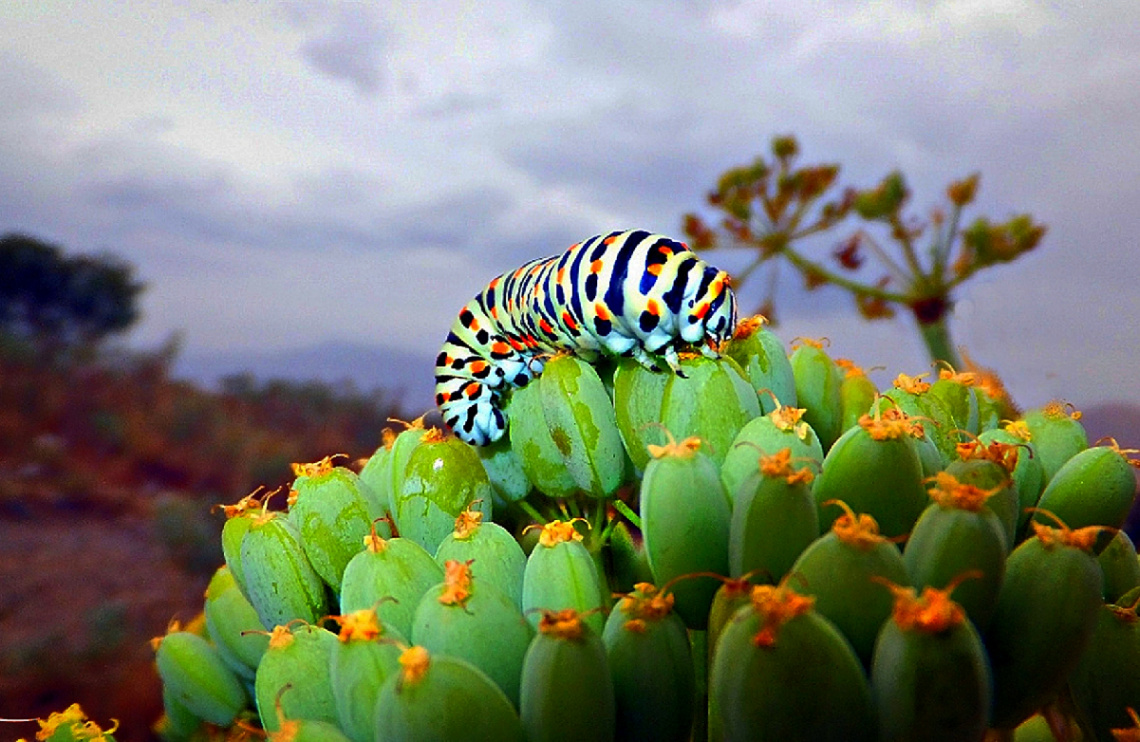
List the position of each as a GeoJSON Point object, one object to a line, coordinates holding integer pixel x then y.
{"type": "Point", "coordinates": [629, 293]}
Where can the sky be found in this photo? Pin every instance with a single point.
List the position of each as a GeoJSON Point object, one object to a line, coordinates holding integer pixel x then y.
{"type": "Point", "coordinates": [290, 174]}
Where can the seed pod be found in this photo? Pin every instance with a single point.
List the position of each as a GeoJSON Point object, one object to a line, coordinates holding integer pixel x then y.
{"type": "Point", "coordinates": [177, 723]}
{"type": "Point", "coordinates": [1028, 475]}
{"type": "Point", "coordinates": [567, 689]}
{"type": "Point", "coordinates": [929, 675]}
{"type": "Point", "coordinates": [1044, 618]}
{"type": "Point", "coordinates": [783, 672]}
{"type": "Point", "coordinates": [442, 475]}
{"type": "Point", "coordinates": [238, 518]}
{"type": "Point", "coordinates": [637, 404]}
{"type": "Point", "coordinates": [912, 395]}
{"type": "Point", "coordinates": [565, 433]}
{"type": "Point", "coordinates": [396, 462]}
{"type": "Point", "coordinates": [993, 402]}
{"type": "Point", "coordinates": [874, 467]}
{"type": "Point", "coordinates": [195, 675]}
{"type": "Point", "coordinates": [363, 658]}
{"type": "Point", "coordinates": [647, 649]}
{"type": "Point", "coordinates": [958, 534]}
{"type": "Point", "coordinates": [496, 557]}
{"type": "Point", "coordinates": [530, 439]}
{"type": "Point", "coordinates": [397, 571]}
{"type": "Point", "coordinates": [376, 478]}
{"type": "Point", "coordinates": [300, 729]}
{"type": "Point", "coordinates": [505, 472]}
{"type": "Point", "coordinates": [436, 697]}
{"type": "Point", "coordinates": [780, 428]}
{"type": "Point", "coordinates": [1105, 684]}
{"type": "Point", "coordinates": [986, 475]}
{"type": "Point", "coordinates": [762, 357]}
{"type": "Point", "coordinates": [1095, 487]}
{"type": "Point", "coordinates": [281, 584]}
{"type": "Point", "coordinates": [329, 509]}
{"type": "Point", "coordinates": [958, 394]}
{"type": "Point", "coordinates": [1034, 729]}
{"type": "Point", "coordinates": [627, 563]}
{"type": "Point", "coordinates": [476, 622]}
{"type": "Point", "coordinates": [560, 574]}
{"type": "Point", "coordinates": [856, 393]}
{"type": "Point", "coordinates": [72, 725]}
{"type": "Point", "coordinates": [837, 569]}
{"type": "Point", "coordinates": [730, 597]}
{"type": "Point", "coordinates": [308, 730]}
{"type": "Point", "coordinates": [1057, 434]}
{"type": "Point", "coordinates": [774, 518]}
{"type": "Point", "coordinates": [685, 518]}
{"type": "Point", "coordinates": [713, 401]}
{"type": "Point", "coordinates": [299, 655]}
{"type": "Point", "coordinates": [817, 390]}
{"type": "Point", "coordinates": [1119, 566]}
{"type": "Point", "coordinates": [229, 616]}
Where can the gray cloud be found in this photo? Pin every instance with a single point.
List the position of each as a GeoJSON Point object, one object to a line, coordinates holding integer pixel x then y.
{"type": "Point", "coordinates": [482, 137]}
{"type": "Point", "coordinates": [350, 48]}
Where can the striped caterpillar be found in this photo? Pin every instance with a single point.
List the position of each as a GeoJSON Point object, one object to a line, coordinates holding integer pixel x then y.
{"type": "Point", "coordinates": [631, 293]}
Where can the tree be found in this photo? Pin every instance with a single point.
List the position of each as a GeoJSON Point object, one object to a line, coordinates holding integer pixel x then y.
{"type": "Point", "coordinates": [772, 206]}
{"type": "Point", "coordinates": [57, 301]}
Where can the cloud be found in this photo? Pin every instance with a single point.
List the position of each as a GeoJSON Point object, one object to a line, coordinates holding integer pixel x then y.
{"type": "Point", "coordinates": [32, 96]}
{"type": "Point", "coordinates": [355, 175]}
{"type": "Point", "coordinates": [349, 48]}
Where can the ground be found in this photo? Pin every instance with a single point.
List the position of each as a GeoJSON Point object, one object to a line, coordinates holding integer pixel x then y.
{"type": "Point", "coordinates": [80, 593]}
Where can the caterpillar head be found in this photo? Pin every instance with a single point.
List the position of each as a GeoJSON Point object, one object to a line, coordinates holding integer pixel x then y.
{"type": "Point", "coordinates": [709, 311]}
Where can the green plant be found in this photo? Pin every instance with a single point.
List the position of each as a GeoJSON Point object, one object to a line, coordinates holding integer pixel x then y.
{"type": "Point", "coordinates": [773, 206]}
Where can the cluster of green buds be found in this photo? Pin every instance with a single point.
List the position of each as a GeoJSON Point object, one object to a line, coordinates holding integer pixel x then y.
{"type": "Point", "coordinates": [768, 547]}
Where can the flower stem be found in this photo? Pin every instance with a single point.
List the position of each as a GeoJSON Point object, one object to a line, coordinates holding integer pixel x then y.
{"type": "Point", "coordinates": [626, 511]}
{"type": "Point", "coordinates": [940, 346]}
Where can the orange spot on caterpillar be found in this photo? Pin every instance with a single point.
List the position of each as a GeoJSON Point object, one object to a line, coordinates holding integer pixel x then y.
{"type": "Point", "coordinates": [702, 310]}
{"type": "Point", "coordinates": [596, 266]}
{"type": "Point", "coordinates": [477, 367]}
{"type": "Point", "coordinates": [472, 389]}
{"type": "Point", "coordinates": [609, 240]}
{"type": "Point", "coordinates": [500, 348]}
{"type": "Point", "coordinates": [545, 326]}
{"type": "Point", "coordinates": [601, 311]}
{"type": "Point", "coordinates": [569, 321]}
{"type": "Point", "coordinates": [495, 311]}
{"type": "Point", "coordinates": [653, 307]}
{"type": "Point", "coordinates": [654, 269]}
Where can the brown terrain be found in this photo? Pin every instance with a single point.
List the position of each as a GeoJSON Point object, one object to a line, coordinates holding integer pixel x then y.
{"type": "Point", "coordinates": [106, 482]}
{"type": "Point", "coordinates": [107, 478]}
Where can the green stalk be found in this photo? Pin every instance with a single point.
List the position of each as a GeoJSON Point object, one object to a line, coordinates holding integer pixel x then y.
{"type": "Point", "coordinates": [699, 641]}
{"type": "Point", "coordinates": [530, 510]}
{"type": "Point", "coordinates": [625, 510]}
{"type": "Point", "coordinates": [939, 345]}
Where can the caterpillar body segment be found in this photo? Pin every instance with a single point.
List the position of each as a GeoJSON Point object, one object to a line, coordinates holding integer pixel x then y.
{"type": "Point", "coordinates": [629, 293]}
